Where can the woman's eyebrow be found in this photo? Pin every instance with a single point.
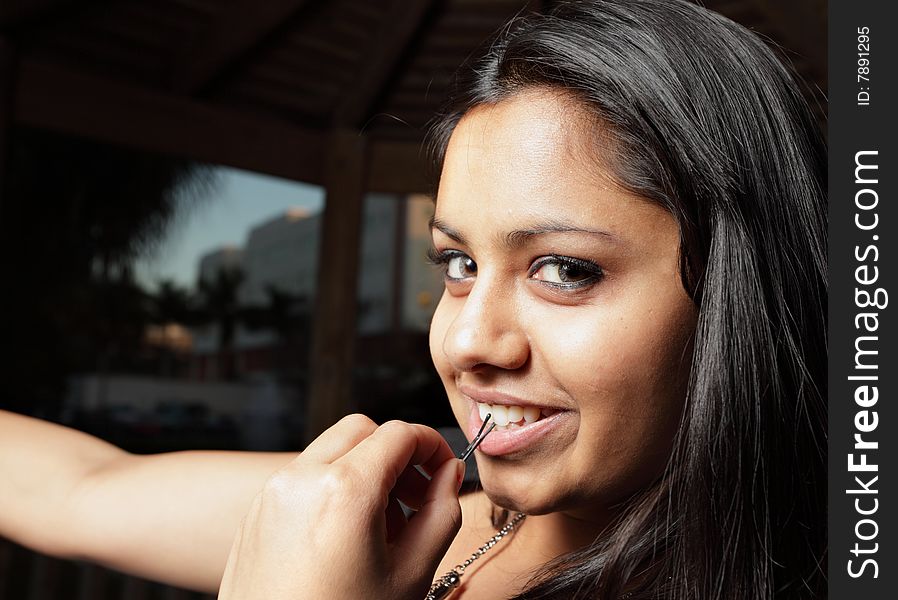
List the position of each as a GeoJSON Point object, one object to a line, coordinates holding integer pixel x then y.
{"type": "Point", "coordinates": [454, 234]}
{"type": "Point", "coordinates": [520, 237]}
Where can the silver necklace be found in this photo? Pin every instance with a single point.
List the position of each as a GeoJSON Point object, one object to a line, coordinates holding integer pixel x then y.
{"type": "Point", "coordinates": [446, 584]}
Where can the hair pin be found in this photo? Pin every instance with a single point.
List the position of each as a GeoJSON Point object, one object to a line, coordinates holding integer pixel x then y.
{"type": "Point", "coordinates": [477, 439]}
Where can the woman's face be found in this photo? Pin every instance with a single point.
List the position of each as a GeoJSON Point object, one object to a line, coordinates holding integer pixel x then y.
{"type": "Point", "coordinates": [563, 315]}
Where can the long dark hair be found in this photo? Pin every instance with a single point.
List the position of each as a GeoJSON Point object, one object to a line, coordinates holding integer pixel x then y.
{"type": "Point", "coordinates": [706, 121]}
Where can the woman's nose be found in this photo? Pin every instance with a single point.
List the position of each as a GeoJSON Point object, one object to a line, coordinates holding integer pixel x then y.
{"type": "Point", "coordinates": [486, 332]}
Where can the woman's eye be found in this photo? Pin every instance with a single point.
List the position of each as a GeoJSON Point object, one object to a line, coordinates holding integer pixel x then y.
{"type": "Point", "coordinates": [455, 264]}
{"type": "Point", "coordinates": [566, 272]}
{"type": "Point", "coordinates": [460, 266]}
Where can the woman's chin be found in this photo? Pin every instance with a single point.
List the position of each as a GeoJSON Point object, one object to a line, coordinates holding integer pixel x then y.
{"type": "Point", "coordinates": [518, 498]}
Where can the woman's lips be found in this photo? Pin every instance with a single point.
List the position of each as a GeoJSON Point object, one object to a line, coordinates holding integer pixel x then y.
{"type": "Point", "coordinates": [514, 438]}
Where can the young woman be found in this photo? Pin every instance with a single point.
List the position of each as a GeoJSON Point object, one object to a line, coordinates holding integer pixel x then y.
{"type": "Point", "coordinates": [679, 341]}
{"type": "Point", "coordinates": [631, 220]}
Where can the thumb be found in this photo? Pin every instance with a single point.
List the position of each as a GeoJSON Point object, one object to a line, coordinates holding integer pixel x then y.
{"type": "Point", "coordinates": [427, 537]}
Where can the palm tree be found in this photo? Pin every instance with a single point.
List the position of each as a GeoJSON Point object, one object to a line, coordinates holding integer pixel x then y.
{"type": "Point", "coordinates": [173, 303]}
{"type": "Point", "coordinates": [74, 216]}
{"type": "Point", "coordinates": [219, 305]}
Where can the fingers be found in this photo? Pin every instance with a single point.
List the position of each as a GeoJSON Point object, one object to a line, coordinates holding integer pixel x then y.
{"type": "Point", "coordinates": [396, 446]}
{"type": "Point", "coordinates": [381, 460]}
{"type": "Point", "coordinates": [342, 495]}
{"type": "Point", "coordinates": [339, 439]}
{"type": "Point", "coordinates": [426, 537]}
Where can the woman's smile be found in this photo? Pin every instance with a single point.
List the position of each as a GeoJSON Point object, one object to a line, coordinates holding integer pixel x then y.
{"type": "Point", "coordinates": [563, 316]}
{"type": "Point", "coordinates": [521, 425]}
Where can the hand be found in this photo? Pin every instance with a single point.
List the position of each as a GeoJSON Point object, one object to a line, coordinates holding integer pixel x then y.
{"type": "Point", "coordinates": [327, 525]}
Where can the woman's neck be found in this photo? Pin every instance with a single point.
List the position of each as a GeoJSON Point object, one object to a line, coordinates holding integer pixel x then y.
{"type": "Point", "coordinates": [506, 569]}
{"type": "Point", "coordinates": [559, 533]}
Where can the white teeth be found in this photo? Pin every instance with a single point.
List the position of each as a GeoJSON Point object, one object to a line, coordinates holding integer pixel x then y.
{"type": "Point", "coordinates": [484, 410]}
{"type": "Point", "coordinates": [531, 414]}
{"type": "Point", "coordinates": [500, 415]}
{"type": "Point", "coordinates": [504, 415]}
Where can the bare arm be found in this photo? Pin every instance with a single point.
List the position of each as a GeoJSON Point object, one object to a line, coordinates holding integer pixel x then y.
{"type": "Point", "coordinates": [167, 517]}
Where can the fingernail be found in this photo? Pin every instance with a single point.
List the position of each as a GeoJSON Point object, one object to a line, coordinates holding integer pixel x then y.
{"type": "Point", "coordinates": [460, 473]}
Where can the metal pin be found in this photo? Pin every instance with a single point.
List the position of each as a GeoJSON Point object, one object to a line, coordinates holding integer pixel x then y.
{"type": "Point", "coordinates": [477, 439]}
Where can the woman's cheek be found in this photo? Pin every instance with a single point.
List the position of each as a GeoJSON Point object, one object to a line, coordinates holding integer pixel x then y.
{"type": "Point", "coordinates": [438, 326]}
{"type": "Point", "coordinates": [621, 382]}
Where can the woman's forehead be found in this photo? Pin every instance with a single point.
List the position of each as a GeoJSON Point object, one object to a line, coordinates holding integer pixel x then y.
{"type": "Point", "coordinates": [525, 162]}
{"type": "Point", "coordinates": [533, 140]}
{"type": "Point", "coordinates": [536, 122]}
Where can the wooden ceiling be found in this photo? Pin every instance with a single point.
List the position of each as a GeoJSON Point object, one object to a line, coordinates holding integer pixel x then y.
{"type": "Point", "coordinates": [261, 85]}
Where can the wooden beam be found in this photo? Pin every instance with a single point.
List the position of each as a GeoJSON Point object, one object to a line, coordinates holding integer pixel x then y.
{"type": "Point", "coordinates": [397, 167]}
{"type": "Point", "coordinates": [49, 97]}
{"type": "Point", "coordinates": [7, 96]}
{"type": "Point", "coordinates": [17, 12]}
{"type": "Point", "coordinates": [336, 303]}
{"type": "Point", "coordinates": [389, 45]}
{"type": "Point", "coordinates": [242, 25]}
{"type": "Point", "coordinates": [57, 99]}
